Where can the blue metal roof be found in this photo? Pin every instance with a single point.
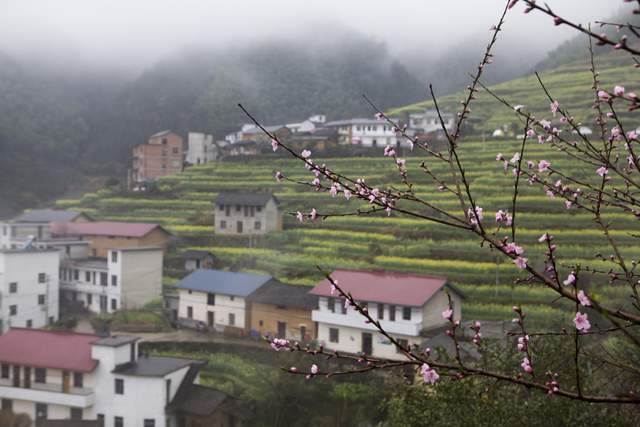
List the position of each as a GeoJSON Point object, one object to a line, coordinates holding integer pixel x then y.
{"type": "Point", "coordinates": [223, 282]}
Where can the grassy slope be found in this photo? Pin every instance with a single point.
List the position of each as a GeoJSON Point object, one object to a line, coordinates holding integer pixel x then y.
{"type": "Point", "coordinates": [570, 84]}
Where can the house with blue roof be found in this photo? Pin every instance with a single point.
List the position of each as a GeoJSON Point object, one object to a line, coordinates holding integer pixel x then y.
{"type": "Point", "coordinates": [217, 299]}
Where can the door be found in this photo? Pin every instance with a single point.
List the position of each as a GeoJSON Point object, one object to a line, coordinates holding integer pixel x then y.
{"type": "Point", "coordinates": [210, 318]}
{"type": "Point", "coordinates": [103, 303]}
{"type": "Point", "coordinates": [282, 330]}
{"type": "Point", "coordinates": [27, 377]}
{"type": "Point", "coordinates": [16, 376]}
{"type": "Point", "coordinates": [303, 333]}
{"type": "Point", "coordinates": [367, 343]}
{"type": "Point", "coordinates": [66, 382]}
{"type": "Point", "coordinates": [239, 227]}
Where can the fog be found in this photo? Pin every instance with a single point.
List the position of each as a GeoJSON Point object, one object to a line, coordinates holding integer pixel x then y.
{"type": "Point", "coordinates": [126, 35]}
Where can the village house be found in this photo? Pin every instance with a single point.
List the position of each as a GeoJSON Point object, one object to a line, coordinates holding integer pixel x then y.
{"type": "Point", "coordinates": [311, 124]}
{"type": "Point", "coordinates": [246, 213]}
{"type": "Point", "coordinates": [161, 155]}
{"type": "Point", "coordinates": [254, 133]}
{"type": "Point", "coordinates": [428, 122]}
{"type": "Point", "coordinates": [105, 235]}
{"type": "Point", "coordinates": [55, 375]}
{"type": "Point", "coordinates": [35, 224]}
{"type": "Point", "coordinates": [318, 140]}
{"type": "Point", "coordinates": [218, 299]}
{"type": "Point", "coordinates": [29, 287]}
{"type": "Point", "coordinates": [195, 260]}
{"type": "Point", "coordinates": [201, 148]}
{"type": "Point", "coordinates": [128, 278]}
{"type": "Point", "coordinates": [365, 132]}
{"type": "Point", "coordinates": [283, 311]}
{"type": "Point", "coordinates": [407, 306]}
{"type": "Point", "coordinates": [243, 148]}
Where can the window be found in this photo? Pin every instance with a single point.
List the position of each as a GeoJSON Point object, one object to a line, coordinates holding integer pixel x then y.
{"type": "Point", "coordinates": [114, 304]}
{"type": "Point", "coordinates": [41, 411]}
{"type": "Point", "coordinates": [118, 422]}
{"type": "Point", "coordinates": [114, 280]}
{"type": "Point", "coordinates": [100, 418]}
{"type": "Point", "coordinates": [257, 225]}
{"type": "Point", "coordinates": [89, 299]}
{"type": "Point", "coordinates": [13, 310]}
{"type": "Point", "coordinates": [29, 323]}
{"type": "Point", "coordinates": [51, 320]}
{"type": "Point", "coordinates": [41, 299]}
{"type": "Point", "coordinates": [7, 405]}
{"type": "Point", "coordinates": [223, 224]}
{"type": "Point", "coordinates": [4, 371]}
{"type": "Point", "coordinates": [164, 166]}
{"type": "Point", "coordinates": [231, 297]}
{"type": "Point", "coordinates": [380, 311]}
{"type": "Point", "coordinates": [238, 208]}
{"type": "Point", "coordinates": [114, 257]}
{"type": "Point", "coordinates": [104, 277]}
{"type": "Point", "coordinates": [258, 208]}
{"type": "Point", "coordinates": [13, 287]}
{"type": "Point", "coordinates": [331, 305]}
{"type": "Point", "coordinates": [406, 313]}
{"type": "Point", "coordinates": [76, 413]}
{"type": "Point", "coordinates": [87, 276]}
{"type": "Point", "coordinates": [76, 275]}
{"type": "Point", "coordinates": [42, 278]}
{"type": "Point", "coordinates": [164, 141]}
{"type": "Point", "coordinates": [334, 334]}
{"type": "Point", "coordinates": [392, 313]}
{"type": "Point", "coordinates": [167, 386]}
{"type": "Point", "coordinates": [78, 379]}
{"type": "Point", "coordinates": [211, 299]}
{"type": "Point", "coordinates": [190, 312]}
{"type": "Point", "coordinates": [119, 386]}
{"type": "Point", "coordinates": [40, 375]}
{"type": "Point", "coordinates": [149, 422]}
{"type": "Point", "coordinates": [261, 323]}
{"type": "Point", "coordinates": [232, 319]}
{"type": "Point", "coordinates": [343, 306]}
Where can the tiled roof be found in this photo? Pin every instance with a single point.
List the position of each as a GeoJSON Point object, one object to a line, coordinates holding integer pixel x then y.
{"type": "Point", "coordinates": [244, 199]}
{"type": "Point", "coordinates": [161, 133]}
{"type": "Point", "coordinates": [46, 216]}
{"type": "Point", "coordinates": [69, 351]}
{"type": "Point", "coordinates": [105, 228]}
{"type": "Point", "coordinates": [199, 401]}
{"type": "Point", "coordinates": [278, 293]}
{"type": "Point", "coordinates": [384, 286]}
{"type": "Point", "coordinates": [223, 282]}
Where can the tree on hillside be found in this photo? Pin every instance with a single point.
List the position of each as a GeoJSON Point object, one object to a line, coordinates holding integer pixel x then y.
{"type": "Point", "coordinates": [594, 358]}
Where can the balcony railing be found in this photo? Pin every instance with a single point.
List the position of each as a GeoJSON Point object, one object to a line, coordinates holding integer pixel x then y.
{"type": "Point", "coordinates": [48, 393]}
{"type": "Point", "coordinates": [356, 321]}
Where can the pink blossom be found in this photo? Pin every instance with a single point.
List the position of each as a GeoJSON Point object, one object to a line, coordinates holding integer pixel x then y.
{"type": "Point", "coordinates": [447, 314]}
{"type": "Point", "coordinates": [568, 204]}
{"type": "Point", "coordinates": [515, 158]}
{"type": "Point", "coordinates": [279, 344]}
{"type": "Point", "coordinates": [523, 343]}
{"type": "Point", "coordinates": [279, 176]}
{"type": "Point", "coordinates": [618, 90]}
{"type": "Point", "coordinates": [305, 154]}
{"type": "Point", "coordinates": [429, 375]}
{"type": "Point", "coordinates": [632, 135]}
{"type": "Point", "coordinates": [347, 194]}
{"type": "Point", "coordinates": [274, 144]}
{"type": "Point", "coordinates": [546, 124]}
{"type": "Point", "coordinates": [582, 322]}
{"type": "Point", "coordinates": [401, 163]}
{"type": "Point", "coordinates": [543, 166]}
{"type": "Point", "coordinates": [541, 139]}
{"type": "Point", "coordinates": [503, 217]}
{"type": "Point", "coordinates": [379, 116]}
{"type": "Point", "coordinates": [473, 219]}
{"type": "Point", "coordinates": [314, 214]}
{"type": "Point", "coordinates": [545, 237]}
{"type": "Point", "coordinates": [499, 157]}
{"type": "Point", "coordinates": [526, 365]}
{"type": "Point", "coordinates": [314, 369]}
{"type": "Point", "coordinates": [512, 248]}
{"type": "Point", "coordinates": [571, 279]}
{"type": "Point", "coordinates": [602, 171]}
{"type": "Point", "coordinates": [335, 187]}
{"type": "Point", "coordinates": [333, 288]}
{"type": "Point", "coordinates": [531, 133]}
{"type": "Point", "coordinates": [300, 216]}
{"type": "Point", "coordinates": [550, 193]}
{"type": "Point", "coordinates": [389, 151]}
{"type": "Point", "coordinates": [316, 182]}
{"type": "Point", "coordinates": [603, 96]}
{"type": "Point", "coordinates": [520, 262]}
{"type": "Point", "coordinates": [583, 298]}
{"type": "Point", "coordinates": [554, 107]}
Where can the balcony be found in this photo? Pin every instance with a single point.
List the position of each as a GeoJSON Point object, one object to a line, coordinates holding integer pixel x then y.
{"type": "Point", "coordinates": [355, 320]}
{"type": "Point", "coordinates": [48, 393]}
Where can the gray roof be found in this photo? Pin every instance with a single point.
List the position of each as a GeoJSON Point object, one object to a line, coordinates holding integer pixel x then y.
{"type": "Point", "coordinates": [116, 341]}
{"type": "Point", "coordinates": [161, 133]}
{"type": "Point", "coordinates": [257, 130]}
{"type": "Point", "coordinates": [154, 366]}
{"type": "Point", "coordinates": [223, 282]}
{"type": "Point", "coordinates": [91, 263]}
{"type": "Point", "coordinates": [284, 295]}
{"type": "Point", "coordinates": [200, 401]}
{"type": "Point", "coordinates": [243, 199]}
{"type": "Point", "coordinates": [46, 216]}
{"type": "Point", "coordinates": [430, 113]}
{"type": "Point", "coordinates": [356, 121]}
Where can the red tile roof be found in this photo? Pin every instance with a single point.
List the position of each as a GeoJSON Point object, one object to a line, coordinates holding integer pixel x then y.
{"type": "Point", "coordinates": [104, 228]}
{"type": "Point", "coordinates": [383, 286]}
{"type": "Point", "coordinates": [70, 351]}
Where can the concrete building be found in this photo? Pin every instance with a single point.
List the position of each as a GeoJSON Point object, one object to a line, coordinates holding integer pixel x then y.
{"type": "Point", "coordinates": [311, 124]}
{"type": "Point", "coordinates": [128, 278]}
{"type": "Point", "coordinates": [218, 299]}
{"type": "Point", "coordinates": [407, 306]}
{"type": "Point", "coordinates": [201, 148]}
{"type": "Point", "coordinates": [246, 213]}
{"type": "Point", "coordinates": [29, 287]}
{"type": "Point", "coordinates": [428, 122]}
{"type": "Point", "coordinates": [195, 260]}
{"type": "Point", "coordinates": [105, 235]}
{"type": "Point", "coordinates": [365, 132]}
{"type": "Point", "coordinates": [37, 224]}
{"type": "Point", "coordinates": [283, 311]}
{"type": "Point", "coordinates": [71, 376]}
{"type": "Point", "coordinates": [161, 155]}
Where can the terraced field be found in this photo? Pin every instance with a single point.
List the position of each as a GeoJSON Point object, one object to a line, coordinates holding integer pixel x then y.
{"type": "Point", "coordinates": [183, 205]}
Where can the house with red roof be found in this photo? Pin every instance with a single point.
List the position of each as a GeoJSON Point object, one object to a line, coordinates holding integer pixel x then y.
{"type": "Point", "coordinates": [68, 376]}
{"type": "Point", "coordinates": [408, 306]}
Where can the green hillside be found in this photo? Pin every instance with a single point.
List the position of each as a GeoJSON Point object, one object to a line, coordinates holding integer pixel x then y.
{"type": "Point", "coordinates": [183, 204]}
{"type": "Point", "coordinates": [570, 84]}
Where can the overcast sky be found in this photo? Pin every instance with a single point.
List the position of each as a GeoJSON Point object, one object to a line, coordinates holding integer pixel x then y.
{"type": "Point", "coordinates": [135, 33]}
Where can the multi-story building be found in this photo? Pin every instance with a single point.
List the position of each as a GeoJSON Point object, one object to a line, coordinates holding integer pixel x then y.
{"type": "Point", "coordinates": [407, 306]}
{"type": "Point", "coordinates": [127, 279]}
{"type": "Point", "coordinates": [428, 122]}
{"type": "Point", "coordinates": [105, 235]}
{"type": "Point", "coordinates": [218, 299]}
{"type": "Point", "coordinates": [35, 224]}
{"type": "Point", "coordinates": [283, 311]}
{"type": "Point", "coordinates": [200, 148]}
{"type": "Point", "coordinates": [29, 287]}
{"type": "Point", "coordinates": [246, 213]}
{"type": "Point", "coordinates": [161, 155]}
{"type": "Point", "coordinates": [73, 376]}
{"type": "Point", "coordinates": [365, 132]}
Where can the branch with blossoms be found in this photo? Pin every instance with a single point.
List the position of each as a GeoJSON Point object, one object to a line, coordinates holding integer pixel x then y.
{"type": "Point", "coordinates": [595, 194]}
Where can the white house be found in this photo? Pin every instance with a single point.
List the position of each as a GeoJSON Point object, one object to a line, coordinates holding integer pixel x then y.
{"type": "Point", "coordinates": [29, 287]}
{"type": "Point", "coordinates": [35, 224]}
{"type": "Point", "coordinates": [128, 278]}
{"type": "Point", "coordinates": [309, 125]}
{"type": "Point", "coordinates": [406, 305]}
{"type": "Point", "coordinates": [365, 132]}
{"type": "Point", "coordinates": [428, 121]}
{"type": "Point", "coordinates": [201, 148]}
{"type": "Point", "coordinates": [217, 298]}
{"type": "Point", "coordinates": [66, 375]}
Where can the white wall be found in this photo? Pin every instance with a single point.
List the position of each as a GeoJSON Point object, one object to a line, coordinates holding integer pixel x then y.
{"type": "Point", "coordinates": [139, 276]}
{"type": "Point", "coordinates": [225, 304]}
